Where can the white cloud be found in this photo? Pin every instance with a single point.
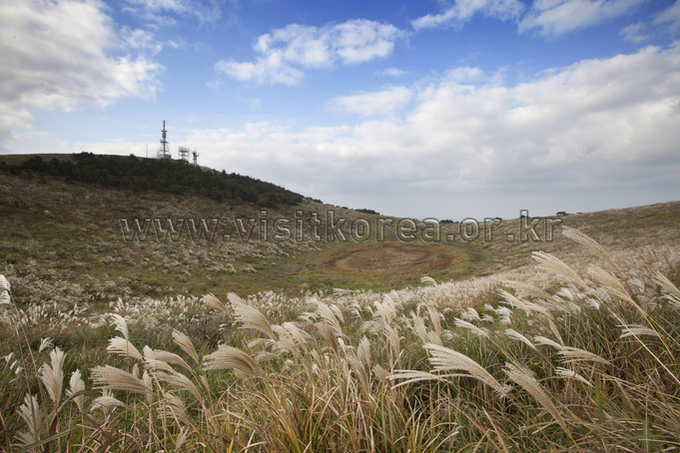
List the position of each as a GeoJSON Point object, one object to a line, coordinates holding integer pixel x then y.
{"type": "Point", "coordinates": [635, 33]}
{"type": "Point", "coordinates": [383, 102]}
{"type": "Point", "coordinates": [463, 10]}
{"type": "Point", "coordinates": [285, 51]}
{"type": "Point", "coordinates": [669, 16]}
{"type": "Point", "coordinates": [556, 17]}
{"type": "Point", "coordinates": [63, 54]}
{"type": "Point", "coordinates": [394, 72]}
{"type": "Point", "coordinates": [598, 123]}
{"type": "Point", "coordinates": [602, 128]}
{"type": "Point", "coordinates": [161, 12]}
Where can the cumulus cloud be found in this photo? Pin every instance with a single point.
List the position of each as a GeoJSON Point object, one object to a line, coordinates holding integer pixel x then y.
{"type": "Point", "coordinates": [383, 102]}
{"type": "Point", "coordinates": [463, 10]}
{"type": "Point", "coordinates": [67, 54]}
{"type": "Point", "coordinates": [556, 17]}
{"type": "Point", "coordinates": [285, 52]}
{"type": "Point", "coordinates": [598, 123]}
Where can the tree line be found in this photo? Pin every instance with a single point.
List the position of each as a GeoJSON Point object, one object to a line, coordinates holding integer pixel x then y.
{"type": "Point", "coordinates": [139, 174]}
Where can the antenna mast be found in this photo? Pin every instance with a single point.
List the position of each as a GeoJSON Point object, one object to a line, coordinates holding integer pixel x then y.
{"type": "Point", "coordinates": [183, 152]}
{"type": "Point", "coordinates": [195, 154]}
{"type": "Point", "coordinates": [164, 150]}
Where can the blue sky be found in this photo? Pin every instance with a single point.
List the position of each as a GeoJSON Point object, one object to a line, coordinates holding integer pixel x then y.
{"type": "Point", "coordinates": [445, 109]}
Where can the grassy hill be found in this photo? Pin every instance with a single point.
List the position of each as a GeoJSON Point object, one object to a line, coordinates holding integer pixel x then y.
{"type": "Point", "coordinates": [142, 175]}
{"type": "Point", "coordinates": [68, 224]}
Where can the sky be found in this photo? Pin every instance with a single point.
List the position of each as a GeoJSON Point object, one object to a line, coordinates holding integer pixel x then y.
{"type": "Point", "coordinates": [447, 109]}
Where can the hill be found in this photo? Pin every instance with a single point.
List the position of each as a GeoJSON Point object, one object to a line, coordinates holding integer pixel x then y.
{"type": "Point", "coordinates": [141, 175]}
{"type": "Point", "coordinates": [67, 234]}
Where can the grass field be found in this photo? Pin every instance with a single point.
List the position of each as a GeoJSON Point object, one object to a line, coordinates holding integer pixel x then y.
{"type": "Point", "coordinates": [292, 346]}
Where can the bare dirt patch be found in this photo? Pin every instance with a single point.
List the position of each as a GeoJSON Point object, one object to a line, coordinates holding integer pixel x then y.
{"type": "Point", "coordinates": [394, 256]}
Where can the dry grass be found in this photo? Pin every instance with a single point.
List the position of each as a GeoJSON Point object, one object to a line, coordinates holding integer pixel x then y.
{"type": "Point", "coordinates": [571, 363]}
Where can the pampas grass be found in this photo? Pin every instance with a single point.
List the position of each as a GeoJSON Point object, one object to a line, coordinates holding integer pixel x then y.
{"type": "Point", "coordinates": [111, 378]}
{"type": "Point", "coordinates": [524, 379]}
{"type": "Point", "coordinates": [230, 358]}
{"type": "Point", "coordinates": [570, 366]}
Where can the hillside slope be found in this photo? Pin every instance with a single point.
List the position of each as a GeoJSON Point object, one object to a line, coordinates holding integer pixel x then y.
{"type": "Point", "coordinates": [79, 241]}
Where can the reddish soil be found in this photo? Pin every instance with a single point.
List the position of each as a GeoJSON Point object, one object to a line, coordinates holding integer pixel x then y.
{"type": "Point", "coordinates": [394, 256]}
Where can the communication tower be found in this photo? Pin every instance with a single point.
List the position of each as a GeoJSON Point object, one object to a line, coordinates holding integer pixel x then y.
{"type": "Point", "coordinates": [183, 153]}
{"type": "Point", "coordinates": [195, 154]}
{"type": "Point", "coordinates": [164, 150]}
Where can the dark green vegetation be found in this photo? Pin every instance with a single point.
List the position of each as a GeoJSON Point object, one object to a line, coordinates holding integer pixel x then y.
{"type": "Point", "coordinates": [170, 176]}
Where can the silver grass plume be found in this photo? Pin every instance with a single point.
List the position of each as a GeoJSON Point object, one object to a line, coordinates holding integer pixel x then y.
{"type": "Point", "coordinates": [230, 358]}
{"type": "Point", "coordinates": [393, 338]}
{"type": "Point", "coordinates": [31, 414]}
{"type": "Point", "coordinates": [569, 374]}
{"type": "Point", "coordinates": [299, 335]}
{"type": "Point", "coordinates": [526, 306]}
{"type": "Point", "coordinates": [611, 284]}
{"type": "Point", "coordinates": [523, 378]}
{"type": "Point", "coordinates": [76, 389]}
{"type": "Point", "coordinates": [181, 438]}
{"type": "Point", "coordinates": [445, 359]}
{"type": "Point", "coordinates": [583, 239]}
{"type": "Point", "coordinates": [541, 341]}
{"type": "Point", "coordinates": [121, 325]}
{"type": "Point", "coordinates": [359, 371]}
{"type": "Point", "coordinates": [250, 317]}
{"type": "Point", "coordinates": [418, 327]}
{"type": "Point", "coordinates": [111, 378]}
{"type": "Point", "coordinates": [4, 284]}
{"type": "Point", "coordinates": [5, 291]}
{"type": "Point", "coordinates": [559, 267]}
{"type": "Point", "coordinates": [512, 333]}
{"type": "Point", "coordinates": [165, 356]}
{"type": "Point", "coordinates": [328, 315]}
{"type": "Point", "coordinates": [381, 373]}
{"type": "Point", "coordinates": [428, 280]}
{"type": "Point", "coordinates": [53, 376]}
{"type": "Point", "coordinates": [411, 376]}
{"type": "Point", "coordinates": [532, 290]}
{"type": "Point", "coordinates": [555, 331]}
{"type": "Point", "coordinates": [185, 344]}
{"type": "Point", "coordinates": [471, 314]}
{"type": "Point", "coordinates": [578, 355]}
{"type": "Point", "coordinates": [148, 380]}
{"type": "Point", "coordinates": [179, 381]}
{"type": "Point", "coordinates": [215, 303]}
{"type": "Point", "coordinates": [122, 346]}
{"type": "Point", "coordinates": [364, 351]}
{"type": "Point", "coordinates": [175, 408]}
{"type": "Point", "coordinates": [467, 325]}
{"type": "Point", "coordinates": [673, 294]}
{"type": "Point", "coordinates": [45, 344]}
{"type": "Point", "coordinates": [285, 342]}
{"type": "Point", "coordinates": [636, 330]}
{"type": "Point", "coordinates": [435, 318]}
{"type": "Point", "coordinates": [106, 401]}
{"type": "Point", "coordinates": [434, 337]}
{"type": "Point", "coordinates": [386, 309]}
{"type": "Point", "coordinates": [330, 335]}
